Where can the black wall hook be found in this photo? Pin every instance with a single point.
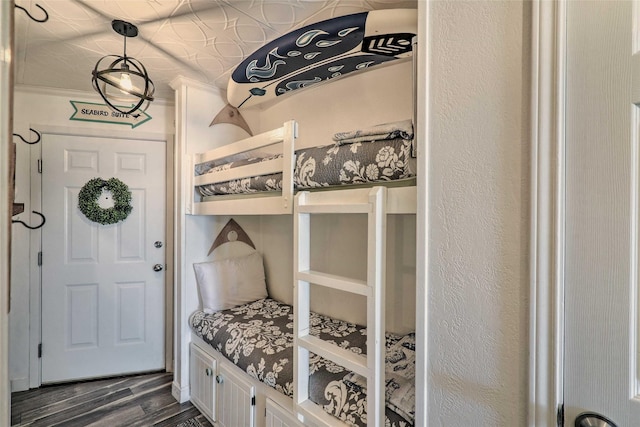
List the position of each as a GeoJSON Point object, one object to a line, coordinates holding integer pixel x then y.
{"type": "Point", "coordinates": [46, 15]}
{"type": "Point", "coordinates": [38, 136]}
{"type": "Point", "coordinates": [30, 227]}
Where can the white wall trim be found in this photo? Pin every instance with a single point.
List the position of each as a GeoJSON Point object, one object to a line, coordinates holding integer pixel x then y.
{"type": "Point", "coordinates": [181, 340]}
{"type": "Point", "coordinates": [51, 91]}
{"type": "Point", "coordinates": [35, 276]}
{"type": "Point", "coordinates": [633, 264]}
{"type": "Point", "coordinates": [547, 211]}
{"type": "Point", "coordinates": [634, 332]}
{"type": "Point", "coordinates": [19, 384]}
{"type": "Point", "coordinates": [422, 214]}
{"type": "Point", "coordinates": [6, 108]}
{"type": "Point", "coordinates": [181, 82]}
{"type": "Point", "coordinates": [181, 394]}
{"type": "Point", "coordinates": [102, 133]}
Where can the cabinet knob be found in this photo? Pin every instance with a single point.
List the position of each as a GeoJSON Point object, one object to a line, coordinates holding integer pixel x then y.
{"type": "Point", "coordinates": [218, 379]}
{"type": "Point", "coordinates": [208, 371]}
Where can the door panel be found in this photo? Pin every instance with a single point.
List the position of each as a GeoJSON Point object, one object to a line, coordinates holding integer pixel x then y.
{"type": "Point", "coordinates": [601, 322]}
{"type": "Point", "coordinates": [102, 302]}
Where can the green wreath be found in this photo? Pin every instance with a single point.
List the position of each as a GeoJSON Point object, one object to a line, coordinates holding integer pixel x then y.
{"type": "Point", "coordinates": [91, 191]}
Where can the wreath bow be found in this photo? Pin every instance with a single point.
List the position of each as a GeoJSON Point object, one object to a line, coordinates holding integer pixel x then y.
{"type": "Point", "coordinates": [91, 191]}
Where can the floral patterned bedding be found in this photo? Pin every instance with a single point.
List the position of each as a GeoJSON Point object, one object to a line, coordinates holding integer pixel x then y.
{"type": "Point", "coordinates": [258, 337]}
{"type": "Point", "coordinates": [331, 165]}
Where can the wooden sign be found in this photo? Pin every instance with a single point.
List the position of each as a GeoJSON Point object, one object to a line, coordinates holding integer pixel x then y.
{"type": "Point", "coordinates": [92, 112]}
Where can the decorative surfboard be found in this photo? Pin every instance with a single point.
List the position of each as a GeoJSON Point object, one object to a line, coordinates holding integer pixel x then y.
{"type": "Point", "coordinates": [322, 51]}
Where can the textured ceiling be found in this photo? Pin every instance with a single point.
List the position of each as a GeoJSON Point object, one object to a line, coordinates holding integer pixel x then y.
{"type": "Point", "coordinates": [200, 39]}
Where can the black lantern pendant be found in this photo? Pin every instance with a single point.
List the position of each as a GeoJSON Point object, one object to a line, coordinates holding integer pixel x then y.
{"type": "Point", "coordinates": [125, 80]}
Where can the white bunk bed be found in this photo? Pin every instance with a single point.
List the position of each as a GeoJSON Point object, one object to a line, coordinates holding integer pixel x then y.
{"type": "Point", "coordinates": [211, 373]}
{"type": "Point", "coordinates": [376, 202]}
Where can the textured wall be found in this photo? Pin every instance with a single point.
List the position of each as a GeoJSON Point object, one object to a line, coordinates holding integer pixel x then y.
{"type": "Point", "coordinates": [478, 213]}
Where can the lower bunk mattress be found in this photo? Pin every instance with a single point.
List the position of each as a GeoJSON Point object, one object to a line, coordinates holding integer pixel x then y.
{"type": "Point", "coordinates": [317, 167]}
{"type": "Point", "coordinates": [258, 338]}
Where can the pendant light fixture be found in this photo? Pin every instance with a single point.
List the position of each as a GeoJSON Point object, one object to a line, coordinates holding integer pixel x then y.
{"type": "Point", "coordinates": [125, 80]}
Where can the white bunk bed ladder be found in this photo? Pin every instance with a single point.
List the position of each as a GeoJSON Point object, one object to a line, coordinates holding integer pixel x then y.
{"type": "Point", "coordinates": [374, 204]}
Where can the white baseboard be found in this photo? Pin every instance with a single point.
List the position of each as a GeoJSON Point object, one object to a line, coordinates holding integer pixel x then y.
{"type": "Point", "coordinates": [19, 384]}
{"type": "Point", "coordinates": [181, 394]}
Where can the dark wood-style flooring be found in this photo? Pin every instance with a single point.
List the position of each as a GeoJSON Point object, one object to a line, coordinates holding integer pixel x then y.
{"type": "Point", "coordinates": [143, 400]}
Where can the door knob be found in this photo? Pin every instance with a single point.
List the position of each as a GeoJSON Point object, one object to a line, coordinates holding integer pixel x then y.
{"type": "Point", "coordinates": [591, 419]}
{"type": "Point", "coordinates": [157, 267]}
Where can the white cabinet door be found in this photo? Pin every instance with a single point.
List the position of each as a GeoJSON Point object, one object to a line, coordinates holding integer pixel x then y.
{"type": "Point", "coordinates": [202, 374]}
{"type": "Point", "coordinates": [277, 416]}
{"type": "Point", "coordinates": [236, 400]}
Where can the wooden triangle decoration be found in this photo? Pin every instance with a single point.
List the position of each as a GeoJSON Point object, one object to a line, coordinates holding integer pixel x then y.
{"type": "Point", "coordinates": [231, 232]}
{"type": "Point", "coordinates": [230, 114]}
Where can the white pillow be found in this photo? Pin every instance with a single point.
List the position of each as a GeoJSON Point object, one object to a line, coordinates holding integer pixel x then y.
{"type": "Point", "coordinates": [230, 282]}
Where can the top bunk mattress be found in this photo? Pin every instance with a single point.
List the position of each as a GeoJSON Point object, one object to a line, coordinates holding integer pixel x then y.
{"type": "Point", "coordinates": [258, 338]}
{"type": "Point", "coordinates": [357, 162]}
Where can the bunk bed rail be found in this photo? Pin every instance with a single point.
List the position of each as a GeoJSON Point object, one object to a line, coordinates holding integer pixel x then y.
{"type": "Point", "coordinates": [280, 202]}
{"type": "Point", "coordinates": [262, 168]}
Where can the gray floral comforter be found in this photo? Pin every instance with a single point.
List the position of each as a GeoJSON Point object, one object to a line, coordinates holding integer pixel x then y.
{"type": "Point", "coordinates": [356, 163]}
{"type": "Point", "coordinates": [258, 337]}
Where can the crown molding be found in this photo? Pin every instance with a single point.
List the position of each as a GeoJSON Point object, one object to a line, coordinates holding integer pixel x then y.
{"type": "Point", "coordinates": [73, 93]}
{"type": "Point", "coordinates": [179, 81]}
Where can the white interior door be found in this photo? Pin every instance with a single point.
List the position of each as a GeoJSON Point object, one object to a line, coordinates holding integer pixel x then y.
{"type": "Point", "coordinates": [102, 301]}
{"type": "Point", "coordinates": [602, 215]}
